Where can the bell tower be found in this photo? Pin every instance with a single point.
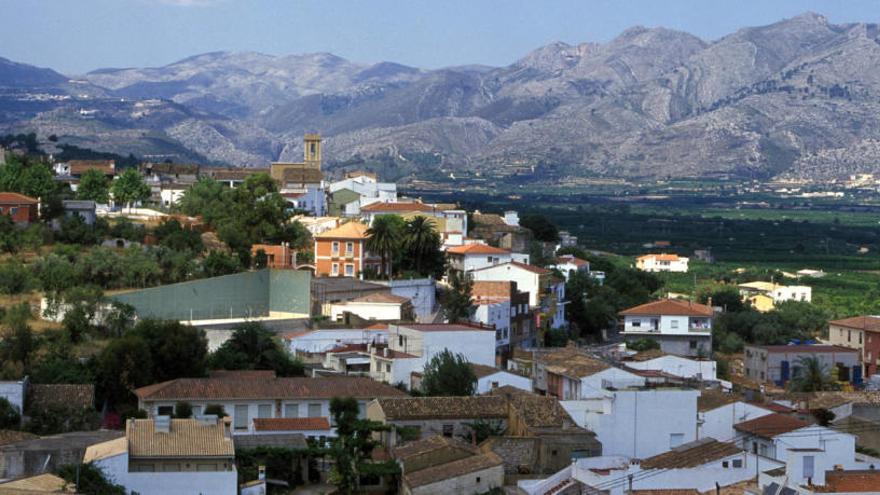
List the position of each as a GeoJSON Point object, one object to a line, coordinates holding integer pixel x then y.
{"type": "Point", "coordinates": [312, 148]}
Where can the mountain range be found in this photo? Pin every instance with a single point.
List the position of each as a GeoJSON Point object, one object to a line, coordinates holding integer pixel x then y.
{"type": "Point", "coordinates": [798, 98]}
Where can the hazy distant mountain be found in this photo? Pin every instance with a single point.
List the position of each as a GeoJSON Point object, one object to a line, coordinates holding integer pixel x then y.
{"type": "Point", "coordinates": [798, 97]}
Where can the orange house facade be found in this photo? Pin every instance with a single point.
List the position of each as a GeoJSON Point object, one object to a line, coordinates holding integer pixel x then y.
{"type": "Point", "coordinates": [22, 209]}
{"type": "Point", "coordinates": [341, 252]}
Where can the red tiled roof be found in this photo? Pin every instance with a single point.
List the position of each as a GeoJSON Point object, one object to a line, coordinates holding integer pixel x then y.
{"type": "Point", "coordinates": [531, 268]}
{"type": "Point", "coordinates": [476, 249]}
{"type": "Point", "coordinates": [350, 230]}
{"type": "Point", "coordinates": [377, 326]}
{"type": "Point", "coordinates": [498, 289]}
{"type": "Point", "coordinates": [867, 323]}
{"type": "Point", "coordinates": [13, 198]}
{"type": "Point", "coordinates": [396, 207]}
{"type": "Point", "coordinates": [567, 258]}
{"type": "Point", "coordinates": [670, 307]}
{"type": "Point", "coordinates": [771, 425]}
{"type": "Point", "coordinates": [291, 424]}
{"type": "Point", "coordinates": [660, 257]}
{"type": "Point", "coordinates": [234, 386]}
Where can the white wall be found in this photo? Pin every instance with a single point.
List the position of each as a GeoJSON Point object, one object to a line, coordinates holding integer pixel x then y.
{"type": "Point", "coordinates": [502, 378]}
{"type": "Point", "coordinates": [14, 393]}
{"type": "Point", "coordinates": [667, 324]}
{"type": "Point", "coordinates": [525, 280]}
{"type": "Point", "coordinates": [718, 423]}
{"type": "Point", "coordinates": [593, 385]}
{"type": "Point", "coordinates": [630, 423]}
{"type": "Point", "coordinates": [318, 341]}
{"type": "Point", "coordinates": [839, 448]}
{"type": "Point", "coordinates": [678, 366]}
{"type": "Point", "coordinates": [421, 292]}
{"type": "Point", "coordinates": [497, 314]}
{"type": "Point", "coordinates": [792, 293]}
{"type": "Point", "coordinates": [478, 261]}
{"type": "Point", "coordinates": [169, 483]}
{"type": "Point", "coordinates": [367, 311]}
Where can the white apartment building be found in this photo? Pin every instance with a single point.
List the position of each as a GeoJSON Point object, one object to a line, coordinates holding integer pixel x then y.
{"type": "Point", "coordinates": [662, 263]}
{"type": "Point", "coordinates": [682, 328]}
{"type": "Point", "coordinates": [469, 257]}
{"type": "Point", "coordinates": [411, 346]}
{"type": "Point", "coordinates": [546, 292]}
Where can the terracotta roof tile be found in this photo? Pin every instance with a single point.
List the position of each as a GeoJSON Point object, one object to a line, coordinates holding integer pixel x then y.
{"type": "Point", "coordinates": [567, 258]}
{"type": "Point", "coordinates": [771, 425]}
{"type": "Point", "coordinates": [382, 298]}
{"type": "Point", "coordinates": [867, 323]}
{"type": "Point", "coordinates": [444, 407]}
{"type": "Point", "coordinates": [691, 455]}
{"type": "Point", "coordinates": [79, 167]}
{"type": "Point", "coordinates": [291, 424]}
{"type": "Point", "coordinates": [71, 397]}
{"type": "Point", "coordinates": [106, 449]}
{"type": "Point", "coordinates": [646, 355]}
{"type": "Point", "coordinates": [452, 469]}
{"type": "Point", "coordinates": [660, 257]}
{"type": "Point", "coordinates": [468, 249]}
{"type": "Point", "coordinates": [350, 230]}
{"type": "Point", "coordinates": [396, 207]}
{"type": "Point", "coordinates": [186, 438]}
{"type": "Point", "coordinates": [670, 307]}
{"type": "Point", "coordinates": [481, 370]}
{"type": "Point", "coordinates": [530, 268]}
{"type": "Point", "coordinates": [431, 444]}
{"type": "Point", "coordinates": [13, 198]}
{"type": "Point", "coordinates": [237, 387]}
{"type": "Point", "coordinates": [42, 483]}
{"type": "Point", "coordinates": [710, 399]}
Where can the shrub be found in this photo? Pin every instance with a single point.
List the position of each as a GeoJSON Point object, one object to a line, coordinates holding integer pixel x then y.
{"type": "Point", "coordinates": [183, 410]}
{"type": "Point", "coordinates": [9, 417]}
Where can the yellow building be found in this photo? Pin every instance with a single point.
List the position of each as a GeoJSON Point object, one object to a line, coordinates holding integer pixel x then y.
{"type": "Point", "coordinates": [762, 303]}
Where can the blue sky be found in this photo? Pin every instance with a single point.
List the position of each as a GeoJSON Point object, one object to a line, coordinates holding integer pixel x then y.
{"type": "Point", "coordinates": [76, 36]}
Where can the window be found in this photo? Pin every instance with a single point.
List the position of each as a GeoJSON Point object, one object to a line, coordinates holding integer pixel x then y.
{"type": "Point", "coordinates": [808, 466]}
{"type": "Point", "coordinates": [400, 341]}
{"type": "Point", "coordinates": [448, 429]}
{"type": "Point", "coordinates": [349, 270]}
{"type": "Point", "coordinates": [241, 417]}
{"type": "Point", "coordinates": [675, 439]}
{"type": "Point", "coordinates": [334, 248]}
{"type": "Point", "coordinates": [692, 344]}
{"type": "Point", "coordinates": [334, 269]}
{"type": "Point", "coordinates": [206, 467]}
{"type": "Point", "coordinates": [553, 453]}
{"type": "Point", "coordinates": [737, 463]}
{"type": "Point", "coordinates": [349, 249]}
{"type": "Point", "coordinates": [13, 211]}
{"type": "Point", "coordinates": [145, 468]}
{"type": "Point", "coordinates": [494, 384]}
{"type": "Point", "coordinates": [291, 410]}
{"type": "Point", "coordinates": [172, 466]}
{"type": "Point", "coordinates": [165, 410]}
{"type": "Point", "coordinates": [264, 411]}
{"type": "Point", "coordinates": [362, 410]}
{"type": "Point", "coordinates": [860, 337]}
{"type": "Point", "coordinates": [763, 450]}
{"type": "Point", "coordinates": [315, 410]}
{"type": "Point", "coordinates": [478, 479]}
{"type": "Point", "coordinates": [388, 367]}
{"type": "Point", "coordinates": [673, 324]}
{"type": "Point", "coordinates": [849, 335]}
{"type": "Point", "coordinates": [637, 323]}
{"type": "Point", "coordinates": [197, 410]}
{"type": "Point", "coordinates": [725, 464]}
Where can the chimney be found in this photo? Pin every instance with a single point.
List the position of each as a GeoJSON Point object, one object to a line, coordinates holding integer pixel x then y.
{"type": "Point", "coordinates": [709, 302]}
{"type": "Point", "coordinates": [162, 424]}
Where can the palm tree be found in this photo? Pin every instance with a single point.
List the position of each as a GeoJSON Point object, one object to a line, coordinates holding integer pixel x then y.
{"type": "Point", "coordinates": [384, 238]}
{"type": "Point", "coordinates": [813, 377]}
{"type": "Point", "coordinates": [421, 239]}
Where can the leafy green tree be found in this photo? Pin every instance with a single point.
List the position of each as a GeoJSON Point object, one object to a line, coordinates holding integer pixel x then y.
{"type": "Point", "coordinates": [172, 235]}
{"type": "Point", "coordinates": [813, 376]}
{"type": "Point", "coordinates": [77, 323]}
{"type": "Point", "coordinates": [124, 365]}
{"type": "Point", "coordinates": [94, 186]}
{"type": "Point", "coordinates": [129, 188]}
{"type": "Point", "coordinates": [252, 346]}
{"type": "Point", "coordinates": [352, 447]}
{"type": "Point", "coordinates": [90, 478]}
{"type": "Point", "coordinates": [176, 350]}
{"type": "Point", "coordinates": [215, 410]}
{"type": "Point", "coordinates": [642, 345]}
{"type": "Point", "coordinates": [32, 178]}
{"type": "Point", "coordinates": [261, 259]}
{"type": "Point", "coordinates": [183, 410]}
{"type": "Point", "coordinates": [385, 238]}
{"type": "Point", "coordinates": [10, 419]}
{"type": "Point", "coordinates": [15, 277]}
{"type": "Point", "coordinates": [458, 305]}
{"type": "Point", "coordinates": [448, 374]}
{"type": "Point", "coordinates": [422, 243]}
{"type": "Point", "coordinates": [10, 235]}
{"type": "Point", "coordinates": [75, 230]}
{"type": "Point", "coordinates": [119, 318]}
{"type": "Point", "coordinates": [482, 429]}
{"type": "Point", "coordinates": [725, 297]}
{"type": "Point", "coordinates": [542, 228]}
{"type": "Point", "coordinates": [18, 342]}
{"type": "Point", "coordinates": [219, 263]}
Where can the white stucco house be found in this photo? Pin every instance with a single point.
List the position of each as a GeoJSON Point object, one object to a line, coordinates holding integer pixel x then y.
{"type": "Point", "coordinates": [489, 378]}
{"type": "Point", "coordinates": [322, 340]}
{"type": "Point", "coordinates": [629, 422]}
{"type": "Point", "coordinates": [780, 436]}
{"type": "Point", "coordinates": [702, 466]}
{"type": "Point", "coordinates": [719, 412]}
{"type": "Point", "coordinates": [568, 264]}
{"type": "Point", "coordinates": [249, 395]}
{"type": "Point", "coordinates": [377, 306]}
{"type": "Point", "coordinates": [546, 291]}
{"type": "Point", "coordinates": [681, 327]}
{"type": "Point", "coordinates": [662, 263]}
{"type": "Point", "coordinates": [474, 256]}
{"type": "Point", "coordinates": [411, 346]}
{"type": "Point", "coordinates": [680, 366]}
{"type": "Point", "coordinates": [164, 456]}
